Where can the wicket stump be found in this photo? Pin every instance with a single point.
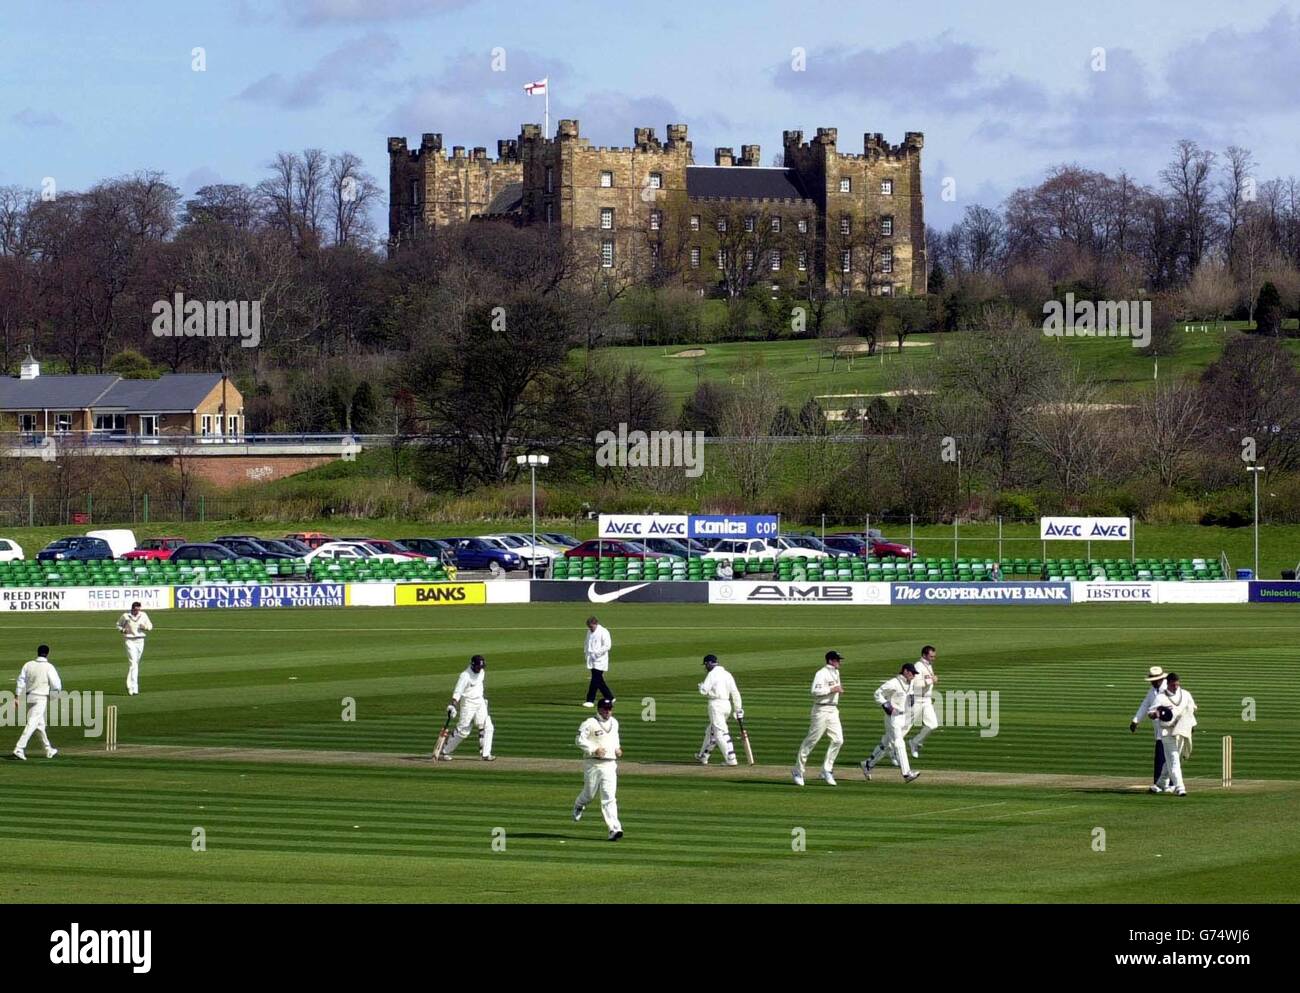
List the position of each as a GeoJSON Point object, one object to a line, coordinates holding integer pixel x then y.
{"type": "Point", "coordinates": [110, 728]}
{"type": "Point", "coordinates": [1227, 760]}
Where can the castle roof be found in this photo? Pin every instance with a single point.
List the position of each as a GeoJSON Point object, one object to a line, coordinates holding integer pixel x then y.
{"type": "Point", "coordinates": [743, 183]}
{"type": "Point", "coordinates": [509, 200]}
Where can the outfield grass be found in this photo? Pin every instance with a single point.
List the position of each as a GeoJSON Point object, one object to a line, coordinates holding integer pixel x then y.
{"type": "Point", "coordinates": [1068, 679]}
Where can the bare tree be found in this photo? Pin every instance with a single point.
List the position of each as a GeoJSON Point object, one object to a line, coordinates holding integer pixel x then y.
{"type": "Point", "coordinates": [352, 191]}
{"type": "Point", "coordinates": [1166, 429]}
{"type": "Point", "coordinates": [1189, 179]}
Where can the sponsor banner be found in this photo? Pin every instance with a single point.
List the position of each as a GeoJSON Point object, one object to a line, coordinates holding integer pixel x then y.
{"type": "Point", "coordinates": [568, 591]}
{"type": "Point", "coordinates": [634, 526]}
{"type": "Point", "coordinates": [509, 591]}
{"type": "Point", "coordinates": [439, 594]}
{"type": "Point", "coordinates": [726, 526]}
{"type": "Point", "coordinates": [1115, 592]}
{"type": "Point", "coordinates": [986, 593]}
{"type": "Point", "coordinates": [106, 598]}
{"type": "Point", "coordinates": [751, 592]}
{"type": "Point", "coordinates": [371, 594]}
{"type": "Point", "coordinates": [222, 595]}
{"type": "Point", "coordinates": [1274, 591]}
{"type": "Point", "coordinates": [1085, 528]}
{"type": "Point", "coordinates": [1203, 591]}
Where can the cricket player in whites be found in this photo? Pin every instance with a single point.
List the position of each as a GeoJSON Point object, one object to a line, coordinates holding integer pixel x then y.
{"type": "Point", "coordinates": [892, 697]}
{"type": "Point", "coordinates": [134, 625]}
{"type": "Point", "coordinates": [922, 708]}
{"type": "Point", "coordinates": [468, 697]}
{"type": "Point", "coordinates": [724, 699]}
{"type": "Point", "coordinates": [826, 690]}
{"type": "Point", "coordinates": [37, 680]}
{"type": "Point", "coordinates": [601, 750]}
{"type": "Point", "coordinates": [1174, 714]}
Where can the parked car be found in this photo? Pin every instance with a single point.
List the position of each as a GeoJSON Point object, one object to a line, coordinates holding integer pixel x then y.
{"type": "Point", "coordinates": [558, 539]}
{"type": "Point", "coordinates": [354, 550]}
{"type": "Point", "coordinates": [312, 539]}
{"type": "Point", "coordinates": [612, 548]}
{"type": "Point", "coordinates": [81, 548]}
{"type": "Point", "coordinates": [740, 548]}
{"type": "Point", "coordinates": [486, 553]}
{"type": "Point", "coordinates": [847, 544]}
{"type": "Point", "coordinates": [523, 544]}
{"type": "Point", "coordinates": [283, 547]}
{"type": "Point", "coordinates": [120, 540]}
{"type": "Point", "coordinates": [252, 548]}
{"type": "Point", "coordinates": [800, 546]}
{"type": "Point", "coordinates": [881, 547]}
{"type": "Point", "coordinates": [10, 550]}
{"type": "Point", "coordinates": [299, 548]}
{"type": "Point", "coordinates": [203, 551]}
{"type": "Point", "coordinates": [155, 548]}
{"type": "Point", "coordinates": [429, 547]}
{"type": "Point", "coordinates": [680, 547]}
{"type": "Point", "coordinates": [387, 547]}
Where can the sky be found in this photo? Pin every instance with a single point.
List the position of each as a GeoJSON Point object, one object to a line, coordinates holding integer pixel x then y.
{"type": "Point", "coordinates": [1002, 89]}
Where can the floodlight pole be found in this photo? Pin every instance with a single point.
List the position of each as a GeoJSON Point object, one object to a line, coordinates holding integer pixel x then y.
{"type": "Point", "coordinates": [533, 461]}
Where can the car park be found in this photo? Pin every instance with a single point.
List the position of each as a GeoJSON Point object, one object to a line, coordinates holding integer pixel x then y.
{"type": "Point", "coordinates": [352, 550]}
{"type": "Point", "coordinates": [881, 547]}
{"type": "Point", "coordinates": [559, 539]}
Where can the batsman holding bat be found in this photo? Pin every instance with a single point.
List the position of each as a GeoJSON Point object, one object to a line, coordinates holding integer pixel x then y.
{"type": "Point", "coordinates": [724, 699]}
{"type": "Point", "coordinates": [469, 697]}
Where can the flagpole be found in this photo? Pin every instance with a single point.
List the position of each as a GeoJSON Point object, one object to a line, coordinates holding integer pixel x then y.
{"type": "Point", "coordinates": [546, 126]}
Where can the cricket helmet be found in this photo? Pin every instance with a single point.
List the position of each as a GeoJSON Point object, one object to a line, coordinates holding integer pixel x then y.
{"type": "Point", "coordinates": [1166, 714]}
{"type": "Point", "coordinates": [606, 704]}
{"type": "Point", "coordinates": [478, 663]}
{"type": "Point", "coordinates": [710, 661]}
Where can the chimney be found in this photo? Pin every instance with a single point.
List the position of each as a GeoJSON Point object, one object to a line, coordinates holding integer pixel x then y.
{"type": "Point", "coordinates": [723, 157]}
{"type": "Point", "coordinates": [31, 369]}
{"type": "Point", "coordinates": [750, 155]}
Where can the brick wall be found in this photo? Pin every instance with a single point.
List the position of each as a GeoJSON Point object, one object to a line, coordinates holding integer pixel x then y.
{"type": "Point", "coordinates": [229, 471]}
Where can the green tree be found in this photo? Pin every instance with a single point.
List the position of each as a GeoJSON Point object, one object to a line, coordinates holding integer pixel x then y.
{"type": "Point", "coordinates": [1268, 311]}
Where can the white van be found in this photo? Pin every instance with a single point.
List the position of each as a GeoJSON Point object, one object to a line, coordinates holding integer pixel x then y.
{"type": "Point", "coordinates": [120, 541]}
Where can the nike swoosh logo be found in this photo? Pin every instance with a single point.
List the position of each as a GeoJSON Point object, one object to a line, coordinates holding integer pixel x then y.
{"type": "Point", "coordinates": [595, 597]}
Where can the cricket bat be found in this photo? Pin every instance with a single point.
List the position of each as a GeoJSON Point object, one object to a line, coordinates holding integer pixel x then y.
{"type": "Point", "coordinates": [442, 738]}
{"type": "Point", "coordinates": [744, 736]}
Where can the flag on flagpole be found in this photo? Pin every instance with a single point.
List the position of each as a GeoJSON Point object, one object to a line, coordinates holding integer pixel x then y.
{"type": "Point", "coordinates": [536, 89]}
{"type": "Point", "coordinates": [539, 88]}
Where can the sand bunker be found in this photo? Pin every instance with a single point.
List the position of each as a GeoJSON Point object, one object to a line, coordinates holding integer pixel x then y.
{"type": "Point", "coordinates": [689, 353]}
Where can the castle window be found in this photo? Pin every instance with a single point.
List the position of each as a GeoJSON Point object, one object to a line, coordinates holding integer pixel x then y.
{"type": "Point", "coordinates": [656, 219]}
{"type": "Point", "coordinates": [749, 223]}
{"type": "Point", "coordinates": [886, 187]}
{"type": "Point", "coordinates": [887, 290]}
{"type": "Point", "coordinates": [415, 192]}
{"type": "Point", "coordinates": [607, 254]}
{"type": "Point", "coordinates": [846, 224]}
{"type": "Point", "coordinates": [550, 213]}
{"type": "Point", "coordinates": [846, 260]}
{"type": "Point", "coordinates": [606, 179]}
{"type": "Point", "coordinates": [695, 258]}
{"type": "Point", "coordinates": [887, 260]}
{"type": "Point", "coordinates": [776, 224]}
{"type": "Point", "coordinates": [722, 258]}
{"type": "Point", "coordinates": [803, 225]}
{"type": "Point", "coordinates": [695, 222]}
{"type": "Point", "coordinates": [846, 186]}
{"type": "Point", "coordinates": [803, 261]}
{"type": "Point", "coordinates": [656, 180]}
{"type": "Point", "coordinates": [550, 179]}
{"type": "Point", "coordinates": [654, 250]}
{"type": "Point", "coordinates": [607, 218]}
{"type": "Point", "coordinates": [722, 224]}
{"type": "Point", "coordinates": [749, 259]}
{"type": "Point", "coordinates": [776, 261]}
{"type": "Point", "coordinates": [886, 226]}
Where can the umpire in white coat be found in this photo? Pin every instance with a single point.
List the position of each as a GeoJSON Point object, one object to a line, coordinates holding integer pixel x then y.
{"type": "Point", "coordinates": [1156, 679]}
{"type": "Point", "coordinates": [596, 651]}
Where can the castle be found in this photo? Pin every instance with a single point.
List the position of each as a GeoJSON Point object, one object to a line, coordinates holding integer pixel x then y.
{"type": "Point", "coordinates": [850, 222]}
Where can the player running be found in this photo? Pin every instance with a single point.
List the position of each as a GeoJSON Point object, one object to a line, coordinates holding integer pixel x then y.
{"type": "Point", "coordinates": [473, 705]}
{"type": "Point", "coordinates": [892, 697]}
{"type": "Point", "coordinates": [826, 691]}
{"type": "Point", "coordinates": [601, 750]}
{"type": "Point", "coordinates": [922, 702]}
{"type": "Point", "coordinates": [724, 699]}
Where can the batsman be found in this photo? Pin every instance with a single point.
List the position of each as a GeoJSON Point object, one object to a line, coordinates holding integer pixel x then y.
{"type": "Point", "coordinates": [469, 700]}
{"type": "Point", "coordinates": [720, 688]}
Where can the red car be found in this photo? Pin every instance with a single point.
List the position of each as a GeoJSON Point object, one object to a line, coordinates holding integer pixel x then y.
{"type": "Point", "coordinates": [612, 549]}
{"type": "Point", "coordinates": [155, 548]}
{"type": "Point", "coordinates": [879, 546]}
{"type": "Point", "coordinates": [387, 547]}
